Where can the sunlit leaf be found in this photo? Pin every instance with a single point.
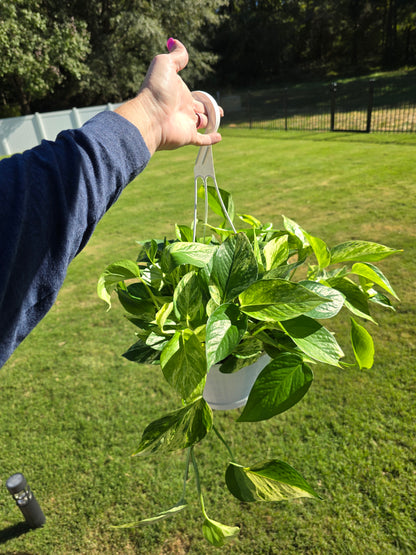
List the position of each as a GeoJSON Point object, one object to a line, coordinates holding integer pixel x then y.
{"type": "Point", "coordinates": [225, 329]}
{"type": "Point", "coordinates": [113, 274]}
{"type": "Point", "coordinates": [271, 480]}
{"type": "Point", "coordinates": [177, 430]}
{"type": "Point", "coordinates": [296, 230]}
{"type": "Point", "coordinates": [374, 275]}
{"type": "Point", "coordinates": [179, 253]}
{"type": "Point", "coordinates": [362, 344]}
{"type": "Point", "coordinates": [276, 252]}
{"type": "Point", "coordinates": [214, 202]}
{"type": "Point", "coordinates": [218, 534]}
{"type": "Point", "coordinates": [328, 309]}
{"type": "Point", "coordinates": [187, 298]}
{"type": "Point", "coordinates": [279, 386]}
{"type": "Point", "coordinates": [183, 363]}
{"type": "Point", "coordinates": [355, 300]}
{"type": "Point", "coordinates": [163, 314]}
{"type": "Point", "coordinates": [251, 220]}
{"type": "Point", "coordinates": [320, 250]}
{"type": "Point", "coordinates": [234, 268]}
{"type": "Point", "coordinates": [313, 339]}
{"type": "Point", "coordinates": [184, 233]}
{"type": "Point", "coordinates": [360, 251]}
{"type": "Point", "coordinates": [275, 300]}
{"type": "Point", "coordinates": [172, 511]}
{"type": "Point", "coordinates": [378, 298]}
{"type": "Point", "coordinates": [157, 340]}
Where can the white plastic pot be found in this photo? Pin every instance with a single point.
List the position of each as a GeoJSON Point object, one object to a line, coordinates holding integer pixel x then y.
{"type": "Point", "coordinates": [231, 391]}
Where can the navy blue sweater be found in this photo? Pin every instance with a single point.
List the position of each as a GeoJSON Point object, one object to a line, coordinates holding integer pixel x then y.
{"type": "Point", "coordinates": [51, 199]}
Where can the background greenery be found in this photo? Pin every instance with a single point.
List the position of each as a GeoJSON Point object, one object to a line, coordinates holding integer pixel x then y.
{"type": "Point", "coordinates": [72, 410]}
{"type": "Point", "coordinates": [61, 54]}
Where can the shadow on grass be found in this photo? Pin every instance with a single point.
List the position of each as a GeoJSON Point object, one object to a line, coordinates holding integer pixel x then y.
{"type": "Point", "coordinates": [12, 532]}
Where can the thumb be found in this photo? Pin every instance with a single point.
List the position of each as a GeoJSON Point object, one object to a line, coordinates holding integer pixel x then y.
{"type": "Point", "coordinates": [178, 52]}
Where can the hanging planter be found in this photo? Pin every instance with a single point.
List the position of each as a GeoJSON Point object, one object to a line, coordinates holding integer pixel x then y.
{"type": "Point", "coordinates": [231, 328]}
{"type": "Point", "coordinates": [231, 391]}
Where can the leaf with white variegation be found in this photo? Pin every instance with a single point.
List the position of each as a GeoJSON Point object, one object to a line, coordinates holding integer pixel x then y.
{"type": "Point", "coordinates": [328, 309]}
{"type": "Point", "coordinates": [274, 300]}
{"type": "Point", "coordinates": [217, 533]}
{"type": "Point", "coordinates": [177, 430]}
{"type": "Point", "coordinates": [184, 364]}
{"type": "Point", "coordinates": [168, 513]}
{"type": "Point", "coordinates": [276, 252]}
{"type": "Point", "coordinates": [187, 298]}
{"type": "Point", "coordinates": [360, 251]}
{"type": "Point", "coordinates": [113, 274]}
{"type": "Point", "coordinates": [177, 254]}
{"type": "Point", "coordinates": [296, 230]}
{"type": "Point", "coordinates": [234, 268]}
{"type": "Point", "coordinates": [313, 339]}
{"type": "Point", "coordinates": [225, 329]}
{"type": "Point", "coordinates": [271, 480]}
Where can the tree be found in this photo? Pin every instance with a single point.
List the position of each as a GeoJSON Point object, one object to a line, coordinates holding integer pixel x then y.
{"type": "Point", "coordinates": [127, 34]}
{"type": "Point", "coordinates": [37, 51]}
{"type": "Point", "coordinates": [256, 39]}
{"type": "Point", "coordinates": [78, 52]}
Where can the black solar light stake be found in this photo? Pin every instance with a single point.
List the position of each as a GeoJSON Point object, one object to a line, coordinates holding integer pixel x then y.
{"type": "Point", "coordinates": [25, 500]}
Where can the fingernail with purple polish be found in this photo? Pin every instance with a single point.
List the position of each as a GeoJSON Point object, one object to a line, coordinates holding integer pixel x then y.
{"type": "Point", "coordinates": [170, 44]}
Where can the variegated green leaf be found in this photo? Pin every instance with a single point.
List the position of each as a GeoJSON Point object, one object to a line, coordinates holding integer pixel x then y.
{"type": "Point", "coordinates": [271, 480]}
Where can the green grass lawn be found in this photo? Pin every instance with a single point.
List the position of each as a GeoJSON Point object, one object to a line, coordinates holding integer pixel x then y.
{"type": "Point", "coordinates": [73, 410]}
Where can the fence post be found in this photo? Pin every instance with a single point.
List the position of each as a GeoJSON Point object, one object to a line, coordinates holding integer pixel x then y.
{"type": "Point", "coordinates": [333, 90]}
{"type": "Point", "coordinates": [370, 104]}
{"type": "Point", "coordinates": [6, 146]}
{"type": "Point", "coordinates": [39, 127]}
{"type": "Point", "coordinates": [249, 109]}
{"type": "Point", "coordinates": [285, 107]}
{"type": "Point", "coordinates": [76, 119]}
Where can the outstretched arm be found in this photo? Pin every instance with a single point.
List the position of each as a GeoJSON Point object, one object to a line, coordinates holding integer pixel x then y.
{"type": "Point", "coordinates": [52, 196]}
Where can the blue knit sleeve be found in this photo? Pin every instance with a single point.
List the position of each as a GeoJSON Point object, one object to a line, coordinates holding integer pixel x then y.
{"type": "Point", "coordinates": [51, 199]}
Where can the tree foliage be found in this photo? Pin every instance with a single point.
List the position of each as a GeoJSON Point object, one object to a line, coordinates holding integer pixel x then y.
{"type": "Point", "coordinates": [127, 34]}
{"type": "Point", "coordinates": [260, 39]}
{"type": "Point", "coordinates": [78, 52]}
{"type": "Point", "coordinates": [102, 48]}
{"type": "Point", "coordinates": [38, 51]}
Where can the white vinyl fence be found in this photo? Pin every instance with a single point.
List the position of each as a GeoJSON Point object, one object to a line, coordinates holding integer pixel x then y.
{"type": "Point", "coordinates": [19, 134]}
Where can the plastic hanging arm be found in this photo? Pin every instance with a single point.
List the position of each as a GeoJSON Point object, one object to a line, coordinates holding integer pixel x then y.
{"type": "Point", "coordinates": [205, 206]}
{"type": "Point", "coordinates": [223, 206]}
{"type": "Point", "coordinates": [195, 209]}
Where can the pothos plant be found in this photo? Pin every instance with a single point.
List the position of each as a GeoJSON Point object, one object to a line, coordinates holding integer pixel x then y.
{"type": "Point", "coordinates": [227, 299]}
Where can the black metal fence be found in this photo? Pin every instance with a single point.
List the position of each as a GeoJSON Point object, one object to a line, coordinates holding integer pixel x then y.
{"type": "Point", "coordinates": [362, 108]}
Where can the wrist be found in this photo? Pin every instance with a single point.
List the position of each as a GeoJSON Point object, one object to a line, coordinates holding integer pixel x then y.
{"type": "Point", "coordinates": [143, 114]}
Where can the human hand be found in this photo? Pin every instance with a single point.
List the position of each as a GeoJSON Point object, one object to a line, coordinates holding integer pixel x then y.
{"type": "Point", "coordinates": [164, 110]}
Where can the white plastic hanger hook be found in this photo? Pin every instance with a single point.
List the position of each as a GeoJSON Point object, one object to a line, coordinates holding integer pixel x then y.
{"type": "Point", "coordinates": [212, 109]}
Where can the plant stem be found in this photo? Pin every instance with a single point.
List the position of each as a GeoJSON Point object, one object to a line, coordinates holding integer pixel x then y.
{"type": "Point", "coordinates": [185, 475]}
{"type": "Point", "coordinates": [154, 301]}
{"type": "Point", "coordinates": [198, 483]}
{"type": "Point", "coordinates": [220, 437]}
